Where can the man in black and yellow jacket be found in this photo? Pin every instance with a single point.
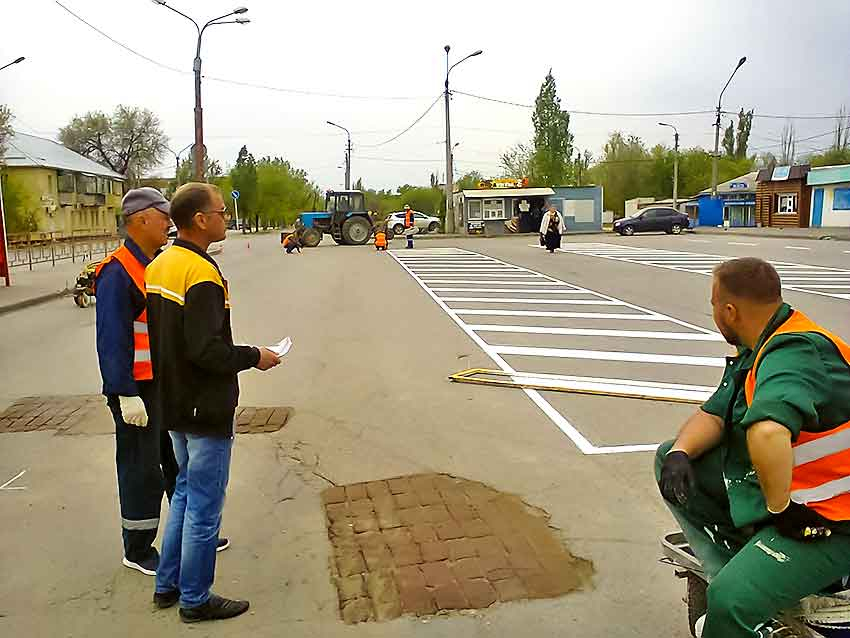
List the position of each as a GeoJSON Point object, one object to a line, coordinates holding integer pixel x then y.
{"type": "Point", "coordinates": [195, 365]}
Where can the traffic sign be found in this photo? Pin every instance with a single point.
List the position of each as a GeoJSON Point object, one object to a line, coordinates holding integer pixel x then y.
{"type": "Point", "coordinates": [234, 194]}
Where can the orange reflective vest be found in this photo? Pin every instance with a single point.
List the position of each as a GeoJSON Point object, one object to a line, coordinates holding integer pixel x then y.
{"type": "Point", "coordinates": [288, 239]}
{"type": "Point", "coordinates": [142, 367]}
{"type": "Point", "coordinates": [408, 219]}
{"type": "Point", "coordinates": [381, 239]}
{"type": "Point", "coordinates": [820, 478]}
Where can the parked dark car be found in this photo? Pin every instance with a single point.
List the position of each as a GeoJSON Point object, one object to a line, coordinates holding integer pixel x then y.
{"type": "Point", "coordinates": [654, 219]}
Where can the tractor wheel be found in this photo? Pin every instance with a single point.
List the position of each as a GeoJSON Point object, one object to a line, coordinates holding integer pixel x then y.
{"type": "Point", "coordinates": [311, 238]}
{"type": "Point", "coordinates": [356, 231]}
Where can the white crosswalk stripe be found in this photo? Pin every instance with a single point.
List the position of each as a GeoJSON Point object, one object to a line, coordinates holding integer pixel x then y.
{"type": "Point", "coordinates": [536, 326]}
{"type": "Point", "coordinates": [817, 280]}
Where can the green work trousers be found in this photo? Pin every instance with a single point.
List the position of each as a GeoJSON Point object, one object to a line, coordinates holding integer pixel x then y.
{"type": "Point", "coordinates": [753, 575]}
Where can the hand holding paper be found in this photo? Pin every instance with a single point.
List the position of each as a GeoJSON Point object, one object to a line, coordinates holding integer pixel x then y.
{"type": "Point", "coordinates": [282, 347]}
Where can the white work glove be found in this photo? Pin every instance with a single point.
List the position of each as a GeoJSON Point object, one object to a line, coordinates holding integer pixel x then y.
{"type": "Point", "coordinates": [133, 411]}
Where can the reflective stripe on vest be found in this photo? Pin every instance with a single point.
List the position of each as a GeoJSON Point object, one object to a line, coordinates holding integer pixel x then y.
{"type": "Point", "coordinates": [142, 367]}
{"type": "Point", "coordinates": [380, 239]}
{"type": "Point", "coordinates": [408, 219]}
{"type": "Point", "coordinates": [820, 478]}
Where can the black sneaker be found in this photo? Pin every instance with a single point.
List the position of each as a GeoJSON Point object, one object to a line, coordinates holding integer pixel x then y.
{"type": "Point", "coordinates": [223, 544]}
{"type": "Point", "coordinates": [216, 608]}
{"type": "Point", "coordinates": [147, 566]}
{"type": "Point", "coordinates": [166, 599]}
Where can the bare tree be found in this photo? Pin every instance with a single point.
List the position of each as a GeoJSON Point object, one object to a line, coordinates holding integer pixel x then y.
{"type": "Point", "coordinates": [841, 140]}
{"type": "Point", "coordinates": [789, 145]}
{"type": "Point", "coordinates": [5, 128]}
{"type": "Point", "coordinates": [516, 161]}
{"type": "Point", "coordinates": [130, 141]}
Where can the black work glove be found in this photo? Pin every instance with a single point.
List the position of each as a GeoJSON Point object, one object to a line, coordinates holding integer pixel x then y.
{"type": "Point", "coordinates": [801, 523]}
{"type": "Point", "coordinates": [677, 477]}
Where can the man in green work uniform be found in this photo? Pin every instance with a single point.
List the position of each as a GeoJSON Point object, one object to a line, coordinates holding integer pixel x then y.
{"type": "Point", "coordinates": [758, 477]}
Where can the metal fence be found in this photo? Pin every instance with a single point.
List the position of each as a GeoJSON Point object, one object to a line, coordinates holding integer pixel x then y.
{"type": "Point", "coordinates": [26, 249]}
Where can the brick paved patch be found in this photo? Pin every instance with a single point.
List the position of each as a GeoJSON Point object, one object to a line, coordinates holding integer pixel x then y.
{"type": "Point", "coordinates": [61, 413]}
{"type": "Point", "coordinates": [432, 543]}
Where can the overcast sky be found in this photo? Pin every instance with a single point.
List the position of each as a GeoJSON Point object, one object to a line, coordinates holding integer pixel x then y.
{"type": "Point", "coordinates": [649, 56]}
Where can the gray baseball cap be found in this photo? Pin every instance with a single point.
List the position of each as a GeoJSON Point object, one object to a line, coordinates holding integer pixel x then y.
{"type": "Point", "coordinates": [138, 199]}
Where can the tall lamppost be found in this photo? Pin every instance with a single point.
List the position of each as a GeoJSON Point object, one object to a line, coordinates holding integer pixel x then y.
{"type": "Point", "coordinates": [717, 130]}
{"type": "Point", "coordinates": [347, 155]}
{"type": "Point", "coordinates": [675, 164]}
{"type": "Point", "coordinates": [18, 61]}
{"type": "Point", "coordinates": [198, 150]}
{"type": "Point", "coordinates": [450, 217]}
{"type": "Point", "coordinates": [177, 155]}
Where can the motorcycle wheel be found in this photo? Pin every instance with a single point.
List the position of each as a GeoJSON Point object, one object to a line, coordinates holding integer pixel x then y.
{"type": "Point", "coordinates": [697, 600]}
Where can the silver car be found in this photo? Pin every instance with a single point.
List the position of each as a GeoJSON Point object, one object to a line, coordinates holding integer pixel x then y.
{"type": "Point", "coordinates": [425, 223]}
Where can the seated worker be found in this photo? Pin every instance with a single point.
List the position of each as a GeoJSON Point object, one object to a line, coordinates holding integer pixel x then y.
{"type": "Point", "coordinates": [381, 238]}
{"type": "Point", "coordinates": [759, 477]}
{"type": "Point", "coordinates": [292, 242]}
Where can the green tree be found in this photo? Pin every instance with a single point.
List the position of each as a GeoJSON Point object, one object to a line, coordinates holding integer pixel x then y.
{"type": "Point", "coordinates": [186, 171]}
{"type": "Point", "coordinates": [19, 206]}
{"type": "Point", "coordinates": [243, 177]}
{"type": "Point", "coordinates": [553, 142]}
{"type": "Point", "coordinates": [745, 125]}
{"type": "Point", "coordinates": [622, 170]}
{"type": "Point", "coordinates": [130, 141]}
{"type": "Point", "coordinates": [469, 180]}
{"type": "Point", "coordinates": [728, 142]}
{"type": "Point", "coordinates": [830, 157]}
{"type": "Point", "coordinates": [581, 165]}
{"type": "Point", "coordinates": [282, 191]}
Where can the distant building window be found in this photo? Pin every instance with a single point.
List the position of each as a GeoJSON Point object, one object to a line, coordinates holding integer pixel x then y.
{"type": "Point", "coordinates": [474, 209]}
{"type": "Point", "coordinates": [65, 182]}
{"type": "Point", "coordinates": [841, 199]}
{"type": "Point", "coordinates": [117, 188]}
{"type": "Point", "coordinates": [787, 204]}
{"type": "Point", "coordinates": [494, 209]}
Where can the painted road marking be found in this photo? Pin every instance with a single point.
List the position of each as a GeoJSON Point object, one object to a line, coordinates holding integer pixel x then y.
{"type": "Point", "coordinates": [6, 485]}
{"type": "Point", "coordinates": [797, 248]}
{"type": "Point", "coordinates": [798, 277]}
{"type": "Point", "coordinates": [568, 339]}
{"type": "Point", "coordinates": [742, 243]}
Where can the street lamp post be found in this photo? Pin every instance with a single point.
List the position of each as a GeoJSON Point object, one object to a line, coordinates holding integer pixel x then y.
{"type": "Point", "coordinates": [198, 150]}
{"type": "Point", "coordinates": [177, 155]}
{"type": "Point", "coordinates": [717, 130]}
{"type": "Point", "coordinates": [450, 217]}
{"type": "Point", "coordinates": [18, 61]}
{"type": "Point", "coordinates": [675, 164]}
{"type": "Point", "coordinates": [347, 155]}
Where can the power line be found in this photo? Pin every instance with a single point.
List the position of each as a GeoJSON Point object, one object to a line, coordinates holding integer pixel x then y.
{"type": "Point", "coordinates": [793, 117]}
{"type": "Point", "coordinates": [229, 81]}
{"type": "Point", "coordinates": [577, 112]}
{"type": "Point", "coordinates": [415, 122]}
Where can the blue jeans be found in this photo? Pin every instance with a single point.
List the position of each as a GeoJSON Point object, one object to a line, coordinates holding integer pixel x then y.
{"type": "Point", "coordinates": [187, 560]}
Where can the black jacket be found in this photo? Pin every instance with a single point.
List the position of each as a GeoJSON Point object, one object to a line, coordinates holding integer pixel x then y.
{"type": "Point", "coordinates": [194, 360]}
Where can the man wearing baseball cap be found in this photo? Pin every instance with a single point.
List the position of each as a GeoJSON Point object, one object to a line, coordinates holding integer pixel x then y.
{"type": "Point", "coordinates": [123, 350]}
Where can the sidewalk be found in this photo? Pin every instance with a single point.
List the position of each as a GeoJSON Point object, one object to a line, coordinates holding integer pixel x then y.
{"type": "Point", "coordinates": [43, 283]}
{"type": "Point", "coordinates": [835, 233]}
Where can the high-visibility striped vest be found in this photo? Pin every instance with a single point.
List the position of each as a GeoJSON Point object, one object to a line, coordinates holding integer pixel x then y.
{"type": "Point", "coordinates": [142, 367]}
{"type": "Point", "coordinates": [408, 219]}
{"type": "Point", "coordinates": [820, 478]}
{"type": "Point", "coordinates": [381, 239]}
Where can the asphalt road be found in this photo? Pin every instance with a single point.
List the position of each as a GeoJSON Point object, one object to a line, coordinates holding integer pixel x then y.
{"type": "Point", "coordinates": [376, 336]}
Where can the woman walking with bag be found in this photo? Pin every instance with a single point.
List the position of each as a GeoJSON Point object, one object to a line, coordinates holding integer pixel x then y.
{"type": "Point", "coordinates": [551, 228]}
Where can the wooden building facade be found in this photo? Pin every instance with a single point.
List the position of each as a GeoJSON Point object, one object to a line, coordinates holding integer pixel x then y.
{"type": "Point", "coordinates": [783, 198]}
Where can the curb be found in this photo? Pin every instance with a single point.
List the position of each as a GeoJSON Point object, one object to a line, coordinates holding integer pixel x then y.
{"type": "Point", "coordinates": [33, 301]}
{"type": "Point", "coordinates": [769, 235]}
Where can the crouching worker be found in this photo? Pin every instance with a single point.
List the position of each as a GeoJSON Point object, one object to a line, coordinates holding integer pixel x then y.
{"type": "Point", "coordinates": [759, 477]}
{"type": "Point", "coordinates": [381, 238]}
{"type": "Point", "coordinates": [292, 242]}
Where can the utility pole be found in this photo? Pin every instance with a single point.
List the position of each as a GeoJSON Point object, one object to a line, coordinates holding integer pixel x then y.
{"type": "Point", "coordinates": [347, 155]}
{"type": "Point", "coordinates": [675, 164]}
{"type": "Point", "coordinates": [450, 216]}
{"type": "Point", "coordinates": [717, 130]}
{"type": "Point", "coordinates": [198, 148]}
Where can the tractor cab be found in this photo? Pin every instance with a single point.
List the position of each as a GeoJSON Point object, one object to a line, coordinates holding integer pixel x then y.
{"type": "Point", "coordinates": [345, 218]}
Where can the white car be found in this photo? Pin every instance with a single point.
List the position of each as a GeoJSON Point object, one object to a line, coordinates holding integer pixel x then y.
{"type": "Point", "coordinates": [425, 223]}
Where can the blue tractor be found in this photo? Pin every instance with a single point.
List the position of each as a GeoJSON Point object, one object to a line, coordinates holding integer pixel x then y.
{"type": "Point", "coordinates": [345, 218]}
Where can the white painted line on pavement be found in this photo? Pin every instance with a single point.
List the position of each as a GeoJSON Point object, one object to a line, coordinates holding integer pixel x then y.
{"type": "Point", "coordinates": [605, 355]}
{"type": "Point", "coordinates": [623, 386]}
{"type": "Point", "coordinates": [593, 332]}
{"type": "Point", "coordinates": [490, 281]}
{"type": "Point", "coordinates": [797, 248]}
{"type": "Point", "coordinates": [6, 485]}
{"type": "Point", "coordinates": [535, 290]}
{"type": "Point", "coordinates": [560, 315]}
{"type": "Point", "coordinates": [742, 243]}
{"type": "Point", "coordinates": [569, 302]}
{"type": "Point", "coordinates": [700, 241]}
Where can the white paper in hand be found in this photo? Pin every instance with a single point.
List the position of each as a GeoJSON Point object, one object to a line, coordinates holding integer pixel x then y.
{"type": "Point", "coordinates": [282, 347]}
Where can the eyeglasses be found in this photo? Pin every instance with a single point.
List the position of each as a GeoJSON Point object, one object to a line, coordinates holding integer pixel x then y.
{"type": "Point", "coordinates": [225, 214]}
